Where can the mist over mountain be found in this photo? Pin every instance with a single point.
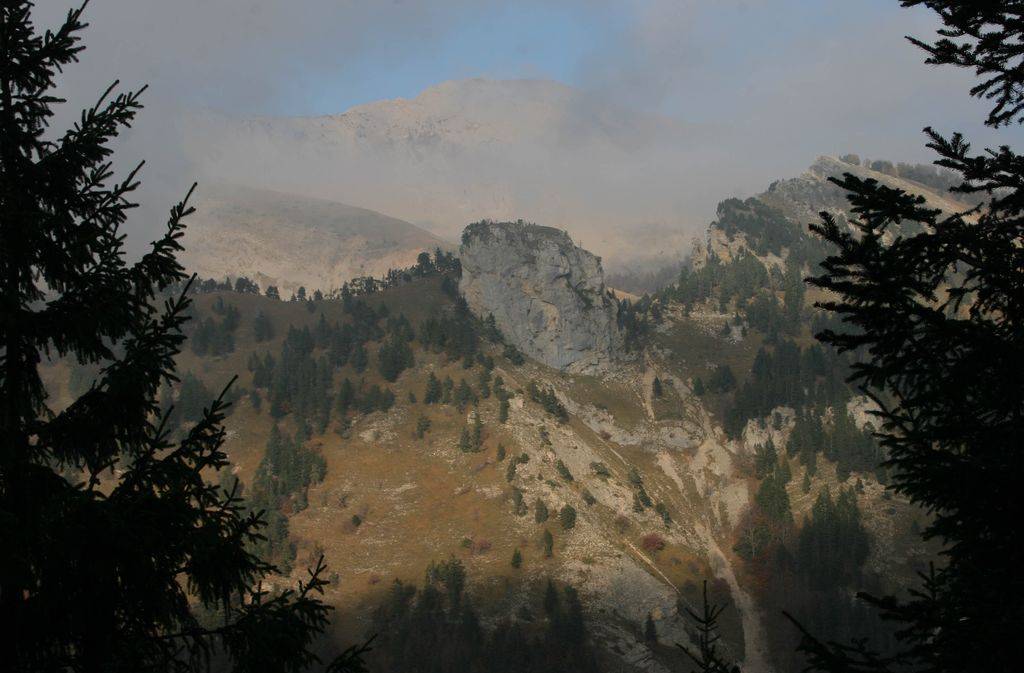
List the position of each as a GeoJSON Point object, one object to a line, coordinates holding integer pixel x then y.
{"type": "Point", "coordinates": [624, 183]}
{"type": "Point", "coordinates": [289, 241]}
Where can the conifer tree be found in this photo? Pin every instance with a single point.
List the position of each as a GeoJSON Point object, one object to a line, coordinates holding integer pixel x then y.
{"type": "Point", "coordinates": [193, 398]}
{"type": "Point", "coordinates": [650, 630]}
{"type": "Point", "coordinates": [478, 431]}
{"type": "Point", "coordinates": [463, 395]}
{"type": "Point", "coordinates": [707, 658]}
{"type": "Point", "coordinates": [540, 511]}
{"type": "Point", "coordinates": [934, 301]}
{"type": "Point", "coordinates": [567, 517]}
{"type": "Point", "coordinates": [465, 442]}
{"type": "Point", "coordinates": [359, 358]}
{"type": "Point", "coordinates": [765, 459]}
{"type": "Point", "coordinates": [422, 426]}
{"type": "Point", "coordinates": [104, 571]}
{"type": "Point", "coordinates": [432, 394]}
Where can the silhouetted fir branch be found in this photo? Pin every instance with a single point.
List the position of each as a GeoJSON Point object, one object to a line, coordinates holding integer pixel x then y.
{"type": "Point", "coordinates": [706, 657]}
{"type": "Point", "coordinates": [353, 659]}
{"type": "Point", "coordinates": [986, 37]}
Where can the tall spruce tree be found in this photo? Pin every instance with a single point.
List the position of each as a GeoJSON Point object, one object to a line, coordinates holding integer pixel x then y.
{"type": "Point", "coordinates": [935, 301]}
{"type": "Point", "coordinates": [113, 541]}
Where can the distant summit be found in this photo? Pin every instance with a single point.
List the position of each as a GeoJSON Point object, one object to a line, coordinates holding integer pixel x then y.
{"type": "Point", "coordinates": [290, 241]}
{"type": "Point", "coordinates": [472, 149]}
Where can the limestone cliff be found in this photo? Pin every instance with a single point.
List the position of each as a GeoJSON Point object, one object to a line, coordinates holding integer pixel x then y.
{"type": "Point", "coordinates": [546, 294]}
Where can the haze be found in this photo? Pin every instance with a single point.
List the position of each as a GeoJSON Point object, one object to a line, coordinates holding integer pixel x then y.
{"type": "Point", "coordinates": [623, 122]}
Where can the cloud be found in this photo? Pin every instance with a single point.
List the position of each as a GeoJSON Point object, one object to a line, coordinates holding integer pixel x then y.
{"type": "Point", "coordinates": [240, 54]}
{"type": "Point", "coordinates": [239, 57]}
{"type": "Point", "coordinates": [760, 88]}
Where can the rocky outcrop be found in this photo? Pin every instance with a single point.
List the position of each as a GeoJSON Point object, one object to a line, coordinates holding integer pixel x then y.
{"type": "Point", "coordinates": [546, 294]}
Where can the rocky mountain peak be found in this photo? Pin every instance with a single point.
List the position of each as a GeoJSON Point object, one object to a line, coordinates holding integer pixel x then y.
{"type": "Point", "coordinates": [546, 294]}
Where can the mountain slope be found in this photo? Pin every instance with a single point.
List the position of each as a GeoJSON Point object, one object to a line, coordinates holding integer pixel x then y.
{"type": "Point", "coordinates": [776, 225]}
{"type": "Point", "coordinates": [396, 429]}
{"type": "Point", "coordinates": [290, 241]}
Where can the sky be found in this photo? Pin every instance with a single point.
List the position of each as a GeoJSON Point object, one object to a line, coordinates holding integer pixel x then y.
{"type": "Point", "coordinates": [780, 81]}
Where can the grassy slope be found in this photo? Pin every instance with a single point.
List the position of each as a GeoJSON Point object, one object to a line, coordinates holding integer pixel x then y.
{"type": "Point", "coordinates": [424, 500]}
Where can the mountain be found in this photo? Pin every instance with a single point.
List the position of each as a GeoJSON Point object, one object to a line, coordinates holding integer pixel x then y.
{"type": "Point", "coordinates": [290, 241]}
{"type": "Point", "coordinates": [451, 468]}
{"type": "Point", "coordinates": [476, 149]}
{"type": "Point", "coordinates": [773, 224]}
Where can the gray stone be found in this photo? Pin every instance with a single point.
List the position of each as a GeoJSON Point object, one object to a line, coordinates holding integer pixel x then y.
{"type": "Point", "coordinates": [546, 294]}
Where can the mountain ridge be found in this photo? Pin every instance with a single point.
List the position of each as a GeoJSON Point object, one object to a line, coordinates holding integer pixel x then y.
{"type": "Point", "coordinates": [288, 240]}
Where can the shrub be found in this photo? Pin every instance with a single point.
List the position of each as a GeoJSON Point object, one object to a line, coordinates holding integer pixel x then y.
{"type": "Point", "coordinates": [652, 542]}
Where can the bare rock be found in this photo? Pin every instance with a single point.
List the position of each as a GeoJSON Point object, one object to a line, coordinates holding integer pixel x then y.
{"type": "Point", "coordinates": [546, 294]}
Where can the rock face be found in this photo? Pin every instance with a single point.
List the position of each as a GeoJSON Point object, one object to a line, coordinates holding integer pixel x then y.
{"type": "Point", "coordinates": [546, 294]}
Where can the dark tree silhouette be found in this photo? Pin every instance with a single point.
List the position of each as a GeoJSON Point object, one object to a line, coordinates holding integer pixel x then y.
{"type": "Point", "coordinates": [987, 37]}
{"type": "Point", "coordinates": [114, 546]}
{"type": "Point", "coordinates": [706, 657]}
{"type": "Point", "coordinates": [935, 303]}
